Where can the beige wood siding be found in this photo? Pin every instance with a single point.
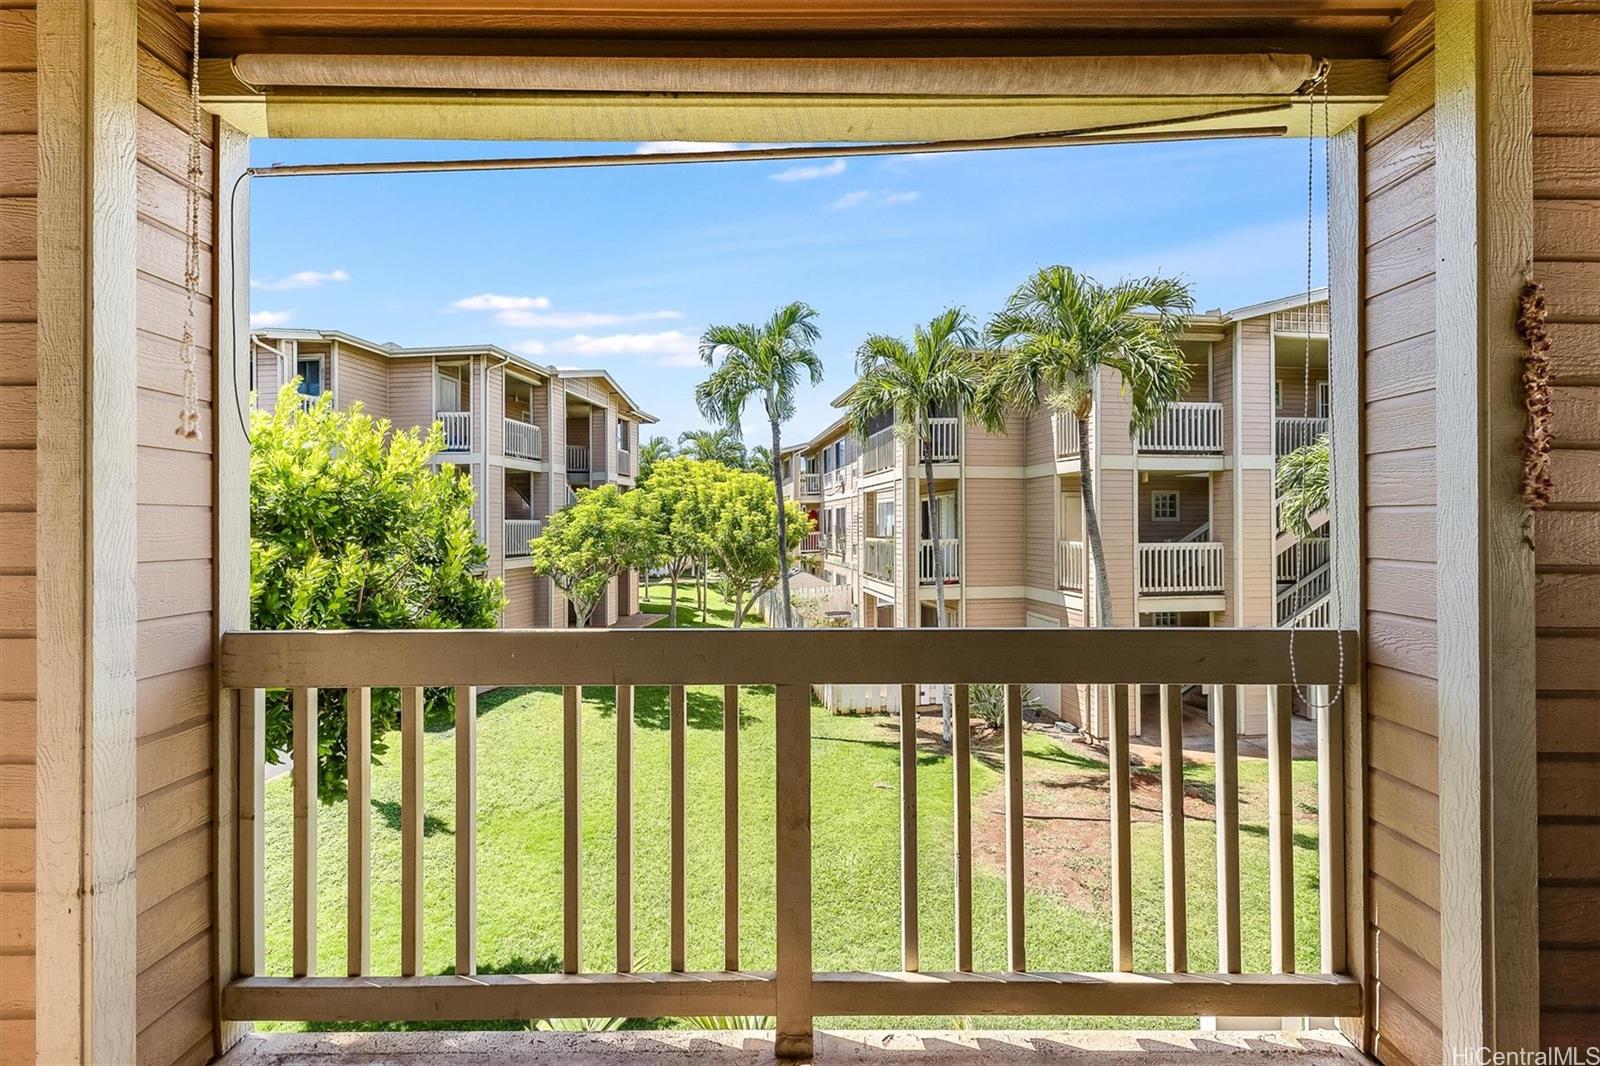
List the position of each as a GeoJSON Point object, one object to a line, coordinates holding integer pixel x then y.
{"type": "Point", "coordinates": [175, 593]}
{"type": "Point", "coordinates": [982, 448]}
{"type": "Point", "coordinates": [1399, 370]}
{"type": "Point", "coordinates": [1042, 501]}
{"type": "Point", "coordinates": [995, 513]}
{"type": "Point", "coordinates": [1255, 386]}
{"type": "Point", "coordinates": [1194, 508]}
{"type": "Point", "coordinates": [494, 536]}
{"type": "Point", "coordinates": [1116, 500]}
{"type": "Point", "coordinates": [519, 599]}
{"type": "Point", "coordinates": [411, 393]}
{"type": "Point", "coordinates": [18, 330]}
{"type": "Point", "coordinates": [1566, 163]}
{"type": "Point", "coordinates": [1007, 612]}
{"type": "Point", "coordinates": [268, 376]}
{"type": "Point", "coordinates": [495, 410]}
{"type": "Point", "coordinates": [364, 379]}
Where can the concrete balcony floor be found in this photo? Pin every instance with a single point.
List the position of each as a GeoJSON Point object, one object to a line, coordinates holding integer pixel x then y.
{"type": "Point", "coordinates": [960, 1048]}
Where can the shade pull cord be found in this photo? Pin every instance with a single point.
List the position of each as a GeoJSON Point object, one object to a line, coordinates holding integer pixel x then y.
{"type": "Point", "coordinates": [189, 413]}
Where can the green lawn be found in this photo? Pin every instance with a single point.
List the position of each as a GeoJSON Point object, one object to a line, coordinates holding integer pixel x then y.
{"type": "Point", "coordinates": [719, 612]}
{"type": "Point", "coordinates": [856, 851]}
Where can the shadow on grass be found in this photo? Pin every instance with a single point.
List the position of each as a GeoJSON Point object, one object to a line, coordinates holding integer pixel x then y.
{"type": "Point", "coordinates": [389, 811]}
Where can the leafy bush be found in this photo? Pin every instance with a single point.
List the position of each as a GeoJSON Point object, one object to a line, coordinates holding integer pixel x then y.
{"type": "Point", "coordinates": [988, 703]}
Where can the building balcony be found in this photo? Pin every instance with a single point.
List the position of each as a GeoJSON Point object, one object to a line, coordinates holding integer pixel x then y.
{"type": "Point", "coordinates": [836, 545]}
{"type": "Point", "coordinates": [810, 486]}
{"type": "Point", "coordinates": [578, 458]}
{"type": "Point", "coordinates": [624, 462]}
{"type": "Point", "coordinates": [457, 430]}
{"type": "Point", "coordinates": [879, 452]}
{"type": "Point", "coordinates": [523, 440]}
{"type": "Point", "coordinates": [813, 543]}
{"type": "Point", "coordinates": [1180, 569]}
{"type": "Point", "coordinates": [519, 535]}
{"type": "Point", "coordinates": [949, 554]}
{"type": "Point", "coordinates": [795, 991]}
{"type": "Point", "coordinates": [944, 440]}
{"type": "Point", "coordinates": [1068, 435]}
{"type": "Point", "coordinates": [1291, 434]}
{"type": "Point", "coordinates": [1185, 429]}
{"type": "Point", "coordinates": [877, 558]}
{"type": "Point", "coordinates": [1070, 565]}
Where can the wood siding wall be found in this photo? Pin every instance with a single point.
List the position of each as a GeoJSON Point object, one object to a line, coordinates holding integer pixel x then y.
{"type": "Point", "coordinates": [18, 329]}
{"type": "Point", "coordinates": [364, 379]}
{"type": "Point", "coordinates": [1566, 163]}
{"type": "Point", "coordinates": [1402, 726]}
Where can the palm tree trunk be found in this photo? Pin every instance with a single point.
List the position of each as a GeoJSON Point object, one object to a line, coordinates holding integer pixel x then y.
{"type": "Point", "coordinates": [672, 608]}
{"type": "Point", "coordinates": [1091, 521]}
{"type": "Point", "coordinates": [783, 520]}
{"type": "Point", "coordinates": [948, 715]}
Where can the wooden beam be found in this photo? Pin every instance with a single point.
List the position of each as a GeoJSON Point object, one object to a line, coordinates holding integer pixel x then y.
{"type": "Point", "coordinates": [1172, 829]}
{"type": "Point", "coordinates": [793, 1007]}
{"type": "Point", "coordinates": [251, 952]}
{"type": "Point", "coordinates": [1280, 826]}
{"type": "Point", "coordinates": [766, 657]}
{"type": "Point", "coordinates": [730, 826]}
{"type": "Point", "coordinates": [303, 708]}
{"type": "Point", "coordinates": [961, 756]}
{"type": "Point", "coordinates": [413, 710]}
{"type": "Point", "coordinates": [909, 953]}
{"type": "Point", "coordinates": [1016, 881]}
{"type": "Point", "coordinates": [678, 828]}
{"type": "Point", "coordinates": [1225, 743]}
{"type": "Point", "coordinates": [1483, 120]}
{"type": "Point", "coordinates": [624, 828]}
{"type": "Point", "coordinates": [1121, 824]}
{"type": "Point", "coordinates": [466, 830]}
{"type": "Point", "coordinates": [358, 832]}
{"type": "Point", "coordinates": [571, 830]}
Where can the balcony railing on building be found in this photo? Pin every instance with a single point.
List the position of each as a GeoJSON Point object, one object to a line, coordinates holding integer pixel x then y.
{"type": "Point", "coordinates": [457, 430]}
{"type": "Point", "coordinates": [1180, 569]}
{"type": "Point", "coordinates": [877, 558]}
{"type": "Point", "coordinates": [1301, 558]}
{"type": "Point", "coordinates": [524, 440]}
{"type": "Point", "coordinates": [578, 457]}
{"type": "Point", "coordinates": [520, 533]}
{"type": "Point", "coordinates": [1185, 428]}
{"type": "Point", "coordinates": [624, 462]}
{"type": "Point", "coordinates": [810, 484]}
{"type": "Point", "coordinates": [1290, 434]}
{"type": "Point", "coordinates": [1313, 319]}
{"type": "Point", "coordinates": [1070, 566]}
{"type": "Point", "coordinates": [944, 439]}
{"type": "Point", "coordinates": [1068, 434]}
{"type": "Point", "coordinates": [879, 452]}
{"type": "Point", "coordinates": [1116, 662]}
{"type": "Point", "coordinates": [949, 554]}
{"type": "Point", "coordinates": [308, 400]}
{"type": "Point", "coordinates": [813, 543]}
{"type": "Point", "coordinates": [836, 544]}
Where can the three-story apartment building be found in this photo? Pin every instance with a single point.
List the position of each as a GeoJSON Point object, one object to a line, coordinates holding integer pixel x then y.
{"type": "Point", "coordinates": [529, 436]}
{"type": "Point", "coordinates": [1187, 508]}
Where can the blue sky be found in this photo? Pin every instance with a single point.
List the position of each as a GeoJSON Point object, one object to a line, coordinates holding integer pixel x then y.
{"type": "Point", "coordinates": [623, 268]}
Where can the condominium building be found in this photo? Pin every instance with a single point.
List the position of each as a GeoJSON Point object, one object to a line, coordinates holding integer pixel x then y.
{"type": "Point", "coordinates": [529, 435]}
{"type": "Point", "coordinates": [1186, 508]}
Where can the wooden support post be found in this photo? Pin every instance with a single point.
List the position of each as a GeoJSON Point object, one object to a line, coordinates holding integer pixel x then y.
{"type": "Point", "coordinates": [794, 1021]}
{"type": "Point", "coordinates": [909, 955]}
{"type": "Point", "coordinates": [252, 831]}
{"type": "Point", "coordinates": [1016, 886]}
{"type": "Point", "coordinates": [412, 709]}
{"type": "Point", "coordinates": [572, 830]}
{"type": "Point", "coordinates": [303, 713]}
{"type": "Point", "coordinates": [961, 755]}
{"type": "Point", "coordinates": [1121, 834]}
{"type": "Point", "coordinates": [466, 829]}
{"type": "Point", "coordinates": [358, 832]}
{"type": "Point", "coordinates": [1177, 917]}
{"type": "Point", "coordinates": [1225, 719]}
{"type": "Point", "coordinates": [678, 814]}
{"type": "Point", "coordinates": [624, 828]}
{"type": "Point", "coordinates": [1280, 825]}
{"type": "Point", "coordinates": [730, 826]}
{"type": "Point", "coordinates": [1330, 827]}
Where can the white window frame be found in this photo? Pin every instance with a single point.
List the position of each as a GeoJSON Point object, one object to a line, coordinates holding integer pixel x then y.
{"type": "Point", "coordinates": [1323, 405]}
{"type": "Point", "coordinates": [453, 375]}
{"type": "Point", "coordinates": [1277, 395]}
{"type": "Point", "coordinates": [1155, 508]}
{"type": "Point", "coordinates": [322, 373]}
{"type": "Point", "coordinates": [1164, 618]}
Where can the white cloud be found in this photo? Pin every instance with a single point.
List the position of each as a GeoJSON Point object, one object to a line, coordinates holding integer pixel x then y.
{"type": "Point", "coordinates": [663, 147]}
{"type": "Point", "coordinates": [811, 172]}
{"type": "Point", "coordinates": [530, 347]}
{"type": "Point", "coordinates": [578, 319]}
{"type": "Point", "coordinates": [873, 198]}
{"type": "Point", "coordinates": [493, 301]}
{"type": "Point", "coordinates": [670, 347]}
{"type": "Point", "coordinates": [267, 319]}
{"type": "Point", "coordinates": [302, 279]}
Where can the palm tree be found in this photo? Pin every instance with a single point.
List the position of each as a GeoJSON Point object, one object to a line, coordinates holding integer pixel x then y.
{"type": "Point", "coordinates": [765, 360]}
{"type": "Point", "coordinates": [936, 372]}
{"type": "Point", "coordinates": [713, 446]}
{"type": "Point", "coordinates": [1056, 333]}
{"type": "Point", "coordinates": [652, 452]}
{"type": "Point", "coordinates": [759, 460]}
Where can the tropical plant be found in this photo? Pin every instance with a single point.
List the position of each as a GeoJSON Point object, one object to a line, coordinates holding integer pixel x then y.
{"type": "Point", "coordinates": [721, 445]}
{"type": "Point", "coordinates": [766, 361]}
{"type": "Point", "coordinates": [746, 525]}
{"type": "Point", "coordinates": [1056, 334]}
{"type": "Point", "coordinates": [681, 493]}
{"type": "Point", "coordinates": [936, 372]}
{"type": "Point", "coordinates": [1302, 485]}
{"type": "Point", "coordinates": [651, 452]}
{"type": "Point", "coordinates": [351, 528]}
{"type": "Point", "coordinates": [759, 460]}
{"type": "Point", "coordinates": [988, 703]}
{"type": "Point", "coordinates": [586, 544]}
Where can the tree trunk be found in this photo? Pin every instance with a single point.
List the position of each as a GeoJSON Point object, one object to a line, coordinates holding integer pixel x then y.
{"type": "Point", "coordinates": [1091, 521]}
{"type": "Point", "coordinates": [783, 521]}
{"type": "Point", "coordinates": [738, 609]}
{"type": "Point", "coordinates": [948, 710]}
{"type": "Point", "coordinates": [672, 607]}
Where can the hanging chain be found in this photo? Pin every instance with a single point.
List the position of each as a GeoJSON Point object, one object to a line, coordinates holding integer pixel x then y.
{"type": "Point", "coordinates": [189, 415]}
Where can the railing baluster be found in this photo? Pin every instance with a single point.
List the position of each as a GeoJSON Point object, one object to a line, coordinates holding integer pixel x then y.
{"type": "Point", "coordinates": [466, 829]}
{"type": "Point", "coordinates": [1280, 824]}
{"type": "Point", "coordinates": [793, 752]}
{"type": "Point", "coordinates": [909, 955]}
{"type": "Point", "coordinates": [412, 709]}
{"type": "Point", "coordinates": [1225, 719]}
{"type": "Point", "coordinates": [624, 828]}
{"type": "Point", "coordinates": [1016, 940]}
{"type": "Point", "coordinates": [572, 830]}
{"type": "Point", "coordinates": [679, 816]}
{"type": "Point", "coordinates": [358, 832]}
{"type": "Point", "coordinates": [1172, 828]}
{"type": "Point", "coordinates": [252, 831]}
{"type": "Point", "coordinates": [1330, 826]}
{"type": "Point", "coordinates": [961, 754]}
{"type": "Point", "coordinates": [730, 826]}
{"type": "Point", "coordinates": [1121, 834]}
{"type": "Point", "coordinates": [304, 701]}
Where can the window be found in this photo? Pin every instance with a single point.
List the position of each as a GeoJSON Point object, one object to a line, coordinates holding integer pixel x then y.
{"type": "Point", "coordinates": [449, 389]}
{"type": "Point", "coordinates": [309, 371]}
{"type": "Point", "coordinates": [1277, 395]}
{"type": "Point", "coordinates": [883, 518]}
{"type": "Point", "coordinates": [622, 435]}
{"type": "Point", "coordinates": [1322, 399]}
{"type": "Point", "coordinates": [947, 518]}
{"type": "Point", "coordinates": [1164, 618]}
{"type": "Point", "coordinates": [1164, 506]}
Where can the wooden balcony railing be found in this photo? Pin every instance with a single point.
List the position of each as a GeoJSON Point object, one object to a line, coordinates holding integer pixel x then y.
{"type": "Point", "coordinates": [457, 430]}
{"type": "Point", "coordinates": [793, 661]}
{"type": "Point", "coordinates": [949, 550]}
{"type": "Point", "coordinates": [810, 484]}
{"type": "Point", "coordinates": [1068, 434]}
{"type": "Point", "coordinates": [1070, 567]}
{"type": "Point", "coordinates": [1185, 428]}
{"type": "Point", "coordinates": [519, 534]}
{"type": "Point", "coordinates": [577, 457]}
{"type": "Point", "coordinates": [624, 462]}
{"type": "Point", "coordinates": [944, 439]}
{"type": "Point", "coordinates": [813, 543]}
{"type": "Point", "coordinates": [1180, 568]}
{"type": "Point", "coordinates": [879, 452]}
{"type": "Point", "coordinates": [878, 558]}
{"type": "Point", "coordinates": [523, 439]}
{"type": "Point", "coordinates": [1290, 434]}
